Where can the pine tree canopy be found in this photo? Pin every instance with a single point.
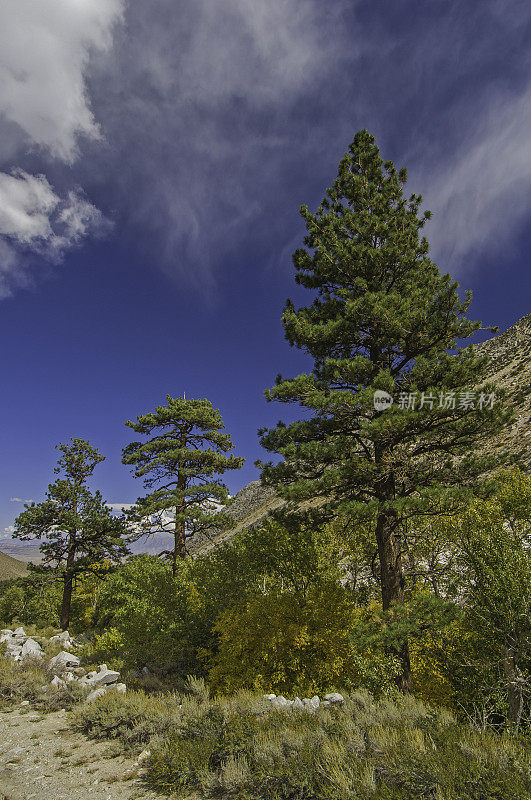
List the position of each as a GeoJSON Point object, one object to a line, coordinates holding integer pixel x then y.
{"type": "Point", "coordinates": [185, 452]}
{"type": "Point", "coordinates": [71, 508]}
{"type": "Point", "coordinates": [383, 318]}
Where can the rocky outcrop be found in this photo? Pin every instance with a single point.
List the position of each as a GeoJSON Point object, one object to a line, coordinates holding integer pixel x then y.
{"type": "Point", "coordinates": [249, 506]}
{"type": "Point", "coordinates": [65, 666]}
{"type": "Point", "coordinates": [509, 367]}
{"type": "Point", "coordinates": [309, 704]}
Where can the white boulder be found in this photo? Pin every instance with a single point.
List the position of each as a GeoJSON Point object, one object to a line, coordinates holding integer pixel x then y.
{"type": "Point", "coordinates": [334, 697]}
{"type": "Point", "coordinates": [62, 660]}
{"type": "Point", "coordinates": [280, 702]}
{"type": "Point", "coordinates": [101, 677]}
{"type": "Point", "coordinates": [57, 683]}
{"type": "Point", "coordinates": [121, 688]}
{"type": "Point", "coordinates": [31, 649]}
{"type": "Point", "coordinates": [13, 650]}
{"type": "Point", "coordinates": [96, 693]}
{"type": "Point", "coordinates": [63, 638]}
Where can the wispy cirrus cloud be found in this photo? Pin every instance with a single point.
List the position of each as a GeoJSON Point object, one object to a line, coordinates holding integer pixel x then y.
{"type": "Point", "coordinates": [211, 98]}
{"type": "Point", "coordinates": [480, 194]}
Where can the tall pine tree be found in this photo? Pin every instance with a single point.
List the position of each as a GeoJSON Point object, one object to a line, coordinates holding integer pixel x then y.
{"type": "Point", "coordinates": [186, 449]}
{"type": "Point", "coordinates": [77, 528]}
{"type": "Point", "coordinates": [383, 318]}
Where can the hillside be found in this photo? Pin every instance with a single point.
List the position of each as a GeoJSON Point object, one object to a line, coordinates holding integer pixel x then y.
{"type": "Point", "coordinates": [251, 504]}
{"type": "Point", "coordinates": [11, 568]}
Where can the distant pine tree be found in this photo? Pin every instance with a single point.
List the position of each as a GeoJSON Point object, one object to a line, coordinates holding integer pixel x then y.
{"type": "Point", "coordinates": [383, 318]}
{"type": "Point", "coordinates": [185, 450]}
{"type": "Point", "coordinates": [78, 529]}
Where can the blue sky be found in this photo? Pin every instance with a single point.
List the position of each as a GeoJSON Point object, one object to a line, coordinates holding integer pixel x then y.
{"type": "Point", "coordinates": [153, 157]}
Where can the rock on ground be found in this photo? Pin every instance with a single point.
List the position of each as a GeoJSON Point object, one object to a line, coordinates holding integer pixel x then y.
{"type": "Point", "coordinates": [62, 661]}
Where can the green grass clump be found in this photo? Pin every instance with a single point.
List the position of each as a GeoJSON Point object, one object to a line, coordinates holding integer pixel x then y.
{"type": "Point", "coordinates": [364, 750]}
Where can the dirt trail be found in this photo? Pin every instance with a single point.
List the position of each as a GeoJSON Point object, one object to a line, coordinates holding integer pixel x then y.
{"type": "Point", "coordinates": [41, 758]}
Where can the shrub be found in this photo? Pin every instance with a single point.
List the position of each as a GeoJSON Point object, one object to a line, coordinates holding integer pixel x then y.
{"type": "Point", "coordinates": [292, 644]}
{"type": "Point", "coordinates": [131, 719]}
{"type": "Point", "coordinates": [365, 750]}
{"type": "Point", "coordinates": [138, 614]}
{"type": "Point", "coordinates": [34, 599]}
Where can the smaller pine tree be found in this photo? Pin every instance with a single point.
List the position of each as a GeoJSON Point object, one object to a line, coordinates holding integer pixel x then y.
{"type": "Point", "coordinates": [186, 449]}
{"type": "Point", "coordinates": [77, 528]}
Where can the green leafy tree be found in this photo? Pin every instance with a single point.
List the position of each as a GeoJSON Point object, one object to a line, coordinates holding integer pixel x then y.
{"type": "Point", "coordinates": [495, 540]}
{"type": "Point", "coordinates": [284, 642]}
{"type": "Point", "coordinates": [383, 319]}
{"type": "Point", "coordinates": [77, 528]}
{"type": "Point", "coordinates": [185, 451]}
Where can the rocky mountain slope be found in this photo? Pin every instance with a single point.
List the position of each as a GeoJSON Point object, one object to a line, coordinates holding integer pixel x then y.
{"type": "Point", "coordinates": [251, 504]}
{"type": "Point", "coordinates": [509, 368]}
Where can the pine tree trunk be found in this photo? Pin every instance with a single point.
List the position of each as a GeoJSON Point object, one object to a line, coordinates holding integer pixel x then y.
{"type": "Point", "coordinates": [179, 534]}
{"type": "Point", "coordinates": [179, 545]}
{"type": "Point", "coordinates": [514, 692]}
{"type": "Point", "coordinates": [392, 583]}
{"type": "Point", "coordinates": [68, 582]}
{"type": "Point", "coordinates": [67, 600]}
{"type": "Point", "coordinates": [391, 569]}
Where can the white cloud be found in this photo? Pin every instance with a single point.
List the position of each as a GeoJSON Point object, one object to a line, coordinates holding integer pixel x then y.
{"type": "Point", "coordinates": [8, 532]}
{"type": "Point", "coordinates": [35, 220]}
{"type": "Point", "coordinates": [26, 205]}
{"type": "Point", "coordinates": [480, 197]}
{"type": "Point", "coordinates": [45, 49]}
{"type": "Point", "coordinates": [193, 118]}
{"type": "Point", "coordinates": [18, 500]}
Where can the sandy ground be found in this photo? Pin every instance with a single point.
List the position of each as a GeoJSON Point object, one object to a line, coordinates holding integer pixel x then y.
{"type": "Point", "coordinates": [41, 758]}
